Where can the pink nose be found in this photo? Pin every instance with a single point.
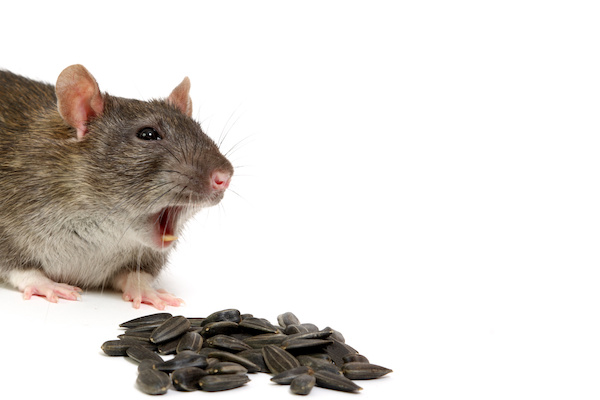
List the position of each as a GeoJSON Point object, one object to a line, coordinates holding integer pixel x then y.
{"type": "Point", "coordinates": [220, 180]}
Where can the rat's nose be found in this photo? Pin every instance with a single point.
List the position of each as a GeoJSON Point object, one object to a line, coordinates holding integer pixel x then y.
{"type": "Point", "coordinates": [220, 180]}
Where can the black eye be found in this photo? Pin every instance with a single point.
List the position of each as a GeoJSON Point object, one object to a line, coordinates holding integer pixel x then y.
{"type": "Point", "coordinates": [148, 134]}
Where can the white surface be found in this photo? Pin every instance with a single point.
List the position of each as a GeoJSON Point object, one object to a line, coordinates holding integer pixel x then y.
{"type": "Point", "coordinates": [422, 176]}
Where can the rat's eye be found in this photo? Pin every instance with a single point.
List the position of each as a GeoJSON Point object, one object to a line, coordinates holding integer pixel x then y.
{"type": "Point", "coordinates": [148, 134]}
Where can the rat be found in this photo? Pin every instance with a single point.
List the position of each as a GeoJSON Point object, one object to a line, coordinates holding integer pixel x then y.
{"type": "Point", "coordinates": [95, 189]}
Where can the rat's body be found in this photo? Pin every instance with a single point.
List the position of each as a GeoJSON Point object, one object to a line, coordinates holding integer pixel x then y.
{"type": "Point", "coordinates": [94, 188]}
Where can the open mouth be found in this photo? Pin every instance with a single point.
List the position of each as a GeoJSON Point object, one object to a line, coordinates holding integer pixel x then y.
{"type": "Point", "coordinates": [164, 225]}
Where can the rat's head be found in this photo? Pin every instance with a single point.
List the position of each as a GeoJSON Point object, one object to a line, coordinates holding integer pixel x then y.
{"type": "Point", "coordinates": [147, 162]}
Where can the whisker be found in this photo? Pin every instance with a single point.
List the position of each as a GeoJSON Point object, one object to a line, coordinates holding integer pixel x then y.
{"type": "Point", "coordinates": [238, 145]}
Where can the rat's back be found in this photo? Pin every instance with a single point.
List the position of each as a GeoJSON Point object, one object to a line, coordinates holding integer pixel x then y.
{"type": "Point", "coordinates": [21, 99]}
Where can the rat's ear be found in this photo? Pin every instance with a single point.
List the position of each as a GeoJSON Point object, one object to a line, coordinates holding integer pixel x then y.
{"type": "Point", "coordinates": [79, 98]}
{"type": "Point", "coordinates": [180, 97]}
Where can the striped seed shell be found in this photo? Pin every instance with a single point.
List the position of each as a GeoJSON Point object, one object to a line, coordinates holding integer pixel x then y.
{"type": "Point", "coordinates": [256, 358]}
{"type": "Point", "coordinates": [139, 353]}
{"type": "Point", "coordinates": [143, 336]}
{"type": "Point", "coordinates": [303, 384]}
{"type": "Point", "coordinates": [259, 325]}
{"type": "Point", "coordinates": [287, 318]}
{"type": "Point", "coordinates": [318, 364]}
{"type": "Point", "coordinates": [151, 381]}
{"type": "Point", "coordinates": [190, 341]}
{"type": "Point", "coordinates": [115, 347]}
{"type": "Point", "coordinates": [170, 329]}
{"type": "Point", "coordinates": [196, 322]}
{"type": "Point", "coordinates": [187, 379]}
{"type": "Point", "coordinates": [278, 360]}
{"type": "Point", "coordinates": [330, 380]}
{"type": "Point", "coordinates": [337, 351]}
{"type": "Point", "coordinates": [295, 344]}
{"type": "Point", "coordinates": [152, 319]}
{"type": "Point", "coordinates": [186, 358]}
{"type": "Point", "coordinates": [147, 364]}
{"type": "Point", "coordinates": [218, 328]}
{"type": "Point", "coordinates": [216, 383]}
{"type": "Point", "coordinates": [260, 341]}
{"type": "Point", "coordinates": [336, 335]}
{"type": "Point", "coordinates": [236, 358]}
{"type": "Point", "coordinates": [169, 347]}
{"type": "Point", "coordinates": [355, 358]}
{"type": "Point", "coordinates": [286, 377]}
{"type": "Point", "coordinates": [230, 314]}
{"type": "Point", "coordinates": [360, 370]}
{"type": "Point", "coordinates": [226, 367]}
{"type": "Point", "coordinates": [324, 334]}
{"type": "Point", "coordinates": [227, 342]}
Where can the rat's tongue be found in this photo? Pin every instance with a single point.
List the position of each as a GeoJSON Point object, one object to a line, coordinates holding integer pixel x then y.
{"type": "Point", "coordinates": [166, 225]}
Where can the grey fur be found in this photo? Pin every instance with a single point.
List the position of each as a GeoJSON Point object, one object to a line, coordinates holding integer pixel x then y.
{"type": "Point", "coordinates": [79, 211]}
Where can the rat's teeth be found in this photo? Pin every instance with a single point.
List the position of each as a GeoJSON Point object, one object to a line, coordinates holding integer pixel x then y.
{"type": "Point", "coordinates": [169, 238]}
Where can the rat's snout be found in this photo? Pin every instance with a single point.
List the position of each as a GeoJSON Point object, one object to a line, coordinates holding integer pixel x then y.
{"type": "Point", "coordinates": [219, 180]}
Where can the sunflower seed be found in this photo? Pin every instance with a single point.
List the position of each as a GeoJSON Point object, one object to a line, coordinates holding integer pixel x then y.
{"type": "Point", "coordinates": [335, 335]}
{"type": "Point", "coordinates": [152, 319]}
{"type": "Point", "coordinates": [139, 353]}
{"type": "Point", "coordinates": [260, 341]}
{"type": "Point", "coordinates": [169, 347]}
{"type": "Point", "coordinates": [318, 364]}
{"type": "Point", "coordinates": [187, 379]}
{"type": "Point", "coordinates": [258, 324]}
{"type": "Point", "coordinates": [115, 347]}
{"type": "Point", "coordinates": [324, 334]}
{"type": "Point", "coordinates": [218, 328]}
{"type": "Point", "coordinates": [278, 360]}
{"type": "Point", "coordinates": [231, 314]}
{"type": "Point", "coordinates": [190, 341]}
{"type": "Point", "coordinates": [286, 377]}
{"type": "Point", "coordinates": [226, 367]}
{"type": "Point", "coordinates": [287, 318]}
{"type": "Point", "coordinates": [361, 370]}
{"type": "Point", "coordinates": [295, 344]}
{"type": "Point", "coordinates": [170, 329]}
{"type": "Point", "coordinates": [236, 358]}
{"type": "Point", "coordinates": [143, 336]}
{"type": "Point", "coordinates": [337, 351]}
{"type": "Point", "coordinates": [147, 364]}
{"type": "Point", "coordinates": [226, 342]}
{"type": "Point", "coordinates": [355, 358]}
{"type": "Point", "coordinates": [303, 384]}
{"type": "Point", "coordinates": [215, 383]}
{"type": "Point", "coordinates": [330, 380]}
{"type": "Point", "coordinates": [196, 322]}
{"type": "Point", "coordinates": [256, 358]}
{"type": "Point", "coordinates": [151, 381]}
{"type": "Point", "coordinates": [186, 358]}
{"type": "Point", "coordinates": [296, 328]}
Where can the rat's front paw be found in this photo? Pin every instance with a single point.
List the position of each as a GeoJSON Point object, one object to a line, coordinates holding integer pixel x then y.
{"type": "Point", "coordinates": [157, 298]}
{"type": "Point", "coordinates": [52, 291]}
{"type": "Point", "coordinates": [137, 288]}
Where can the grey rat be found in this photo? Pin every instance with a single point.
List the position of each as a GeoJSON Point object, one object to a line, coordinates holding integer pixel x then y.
{"type": "Point", "coordinates": [94, 189]}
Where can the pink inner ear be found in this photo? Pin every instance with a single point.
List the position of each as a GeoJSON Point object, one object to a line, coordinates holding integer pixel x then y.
{"type": "Point", "coordinates": [180, 97]}
{"type": "Point", "coordinates": [79, 98]}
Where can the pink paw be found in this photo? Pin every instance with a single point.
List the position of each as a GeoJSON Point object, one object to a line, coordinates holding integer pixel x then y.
{"type": "Point", "coordinates": [52, 291]}
{"type": "Point", "coordinates": [157, 298]}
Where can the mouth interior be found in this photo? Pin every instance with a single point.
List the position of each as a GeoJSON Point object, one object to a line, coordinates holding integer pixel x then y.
{"type": "Point", "coordinates": [165, 224]}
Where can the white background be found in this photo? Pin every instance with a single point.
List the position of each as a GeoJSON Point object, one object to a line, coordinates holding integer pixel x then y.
{"type": "Point", "coordinates": [421, 176]}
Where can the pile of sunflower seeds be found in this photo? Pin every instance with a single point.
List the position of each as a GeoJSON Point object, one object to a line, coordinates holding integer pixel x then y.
{"type": "Point", "coordinates": [217, 352]}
